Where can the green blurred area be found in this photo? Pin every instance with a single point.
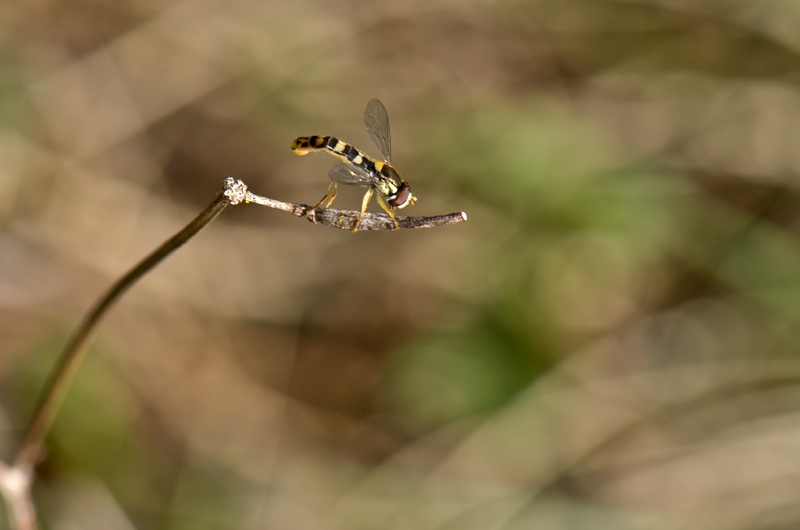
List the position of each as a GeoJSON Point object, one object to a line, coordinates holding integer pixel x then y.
{"type": "Point", "coordinates": [610, 340]}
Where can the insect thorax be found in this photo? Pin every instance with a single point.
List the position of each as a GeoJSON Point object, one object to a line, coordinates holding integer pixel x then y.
{"type": "Point", "coordinates": [388, 179]}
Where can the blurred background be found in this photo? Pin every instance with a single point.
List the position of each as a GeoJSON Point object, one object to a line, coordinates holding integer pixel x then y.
{"type": "Point", "coordinates": [610, 341]}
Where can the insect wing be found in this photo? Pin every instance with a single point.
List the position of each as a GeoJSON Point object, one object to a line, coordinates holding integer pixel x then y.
{"type": "Point", "coordinates": [350, 174]}
{"type": "Point", "coordinates": [377, 122]}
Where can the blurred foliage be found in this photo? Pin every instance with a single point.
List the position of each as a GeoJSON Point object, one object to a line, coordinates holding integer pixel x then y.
{"type": "Point", "coordinates": [610, 341]}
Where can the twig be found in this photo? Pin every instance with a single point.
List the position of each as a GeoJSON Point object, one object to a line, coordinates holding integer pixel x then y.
{"type": "Point", "coordinates": [15, 481]}
{"type": "Point", "coordinates": [345, 219]}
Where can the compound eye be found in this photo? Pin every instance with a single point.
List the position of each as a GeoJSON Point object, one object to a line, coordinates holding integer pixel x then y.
{"type": "Point", "coordinates": [400, 199]}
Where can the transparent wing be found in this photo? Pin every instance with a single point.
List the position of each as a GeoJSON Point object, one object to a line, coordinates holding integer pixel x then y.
{"type": "Point", "coordinates": [350, 174]}
{"type": "Point", "coordinates": [377, 122]}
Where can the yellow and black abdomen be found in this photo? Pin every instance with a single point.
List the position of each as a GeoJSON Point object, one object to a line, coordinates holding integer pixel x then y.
{"type": "Point", "coordinates": [306, 144]}
{"type": "Point", "coordinates": [341, 150]}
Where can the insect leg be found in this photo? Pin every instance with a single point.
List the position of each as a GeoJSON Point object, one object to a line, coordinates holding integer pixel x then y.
{"type": "Point", "coordinates": [331, 189]}
{"type": "Point", "coordinates": [388, 210]}
{"type": "Point", "coordinates": [364, 204]}
{"type": "Point", "coordinates": [333, 196]}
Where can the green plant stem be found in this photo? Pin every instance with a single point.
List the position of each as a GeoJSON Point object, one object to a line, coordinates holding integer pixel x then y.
{"type": "Point", "coordinates": [70, 358]}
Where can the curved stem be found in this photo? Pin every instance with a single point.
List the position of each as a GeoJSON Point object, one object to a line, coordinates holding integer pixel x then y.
{"type": "Point", "coordinates": [70, 358]}
{"type": "Point", "coordinates": [234, 192]}
{"type": "Point", "coordinates": [15, 480]}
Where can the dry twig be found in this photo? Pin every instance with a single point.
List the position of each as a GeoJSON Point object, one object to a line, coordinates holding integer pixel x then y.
{"type": "Point", "coordinates": [344, 219]}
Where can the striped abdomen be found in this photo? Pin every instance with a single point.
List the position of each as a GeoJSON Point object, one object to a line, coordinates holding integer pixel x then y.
{"type": "Point", "coordinates": [344, 151]}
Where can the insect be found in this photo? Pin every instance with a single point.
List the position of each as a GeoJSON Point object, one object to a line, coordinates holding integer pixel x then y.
{"type": "Point", "coordinates": [380, 178]}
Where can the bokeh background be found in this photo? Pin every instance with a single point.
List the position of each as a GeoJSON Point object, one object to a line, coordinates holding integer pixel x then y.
{"type": "Point", "coordinates": [610, 342]}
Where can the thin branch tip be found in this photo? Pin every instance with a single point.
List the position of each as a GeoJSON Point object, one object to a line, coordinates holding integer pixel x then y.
{"type": "Point", "coordinates": [346, 220]}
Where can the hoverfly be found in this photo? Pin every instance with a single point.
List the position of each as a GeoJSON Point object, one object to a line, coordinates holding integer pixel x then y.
{"type": "Point", "coordinates": [379, 178]}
